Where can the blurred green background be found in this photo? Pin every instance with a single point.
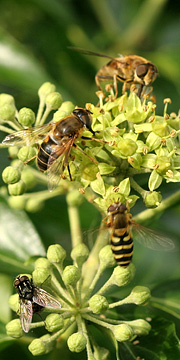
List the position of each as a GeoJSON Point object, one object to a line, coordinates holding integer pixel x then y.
{"type": "Point", "coordinates": [34, 40]}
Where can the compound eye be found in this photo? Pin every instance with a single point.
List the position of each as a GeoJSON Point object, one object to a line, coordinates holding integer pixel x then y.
{"type": "Point", "coordinates": [142, 70]}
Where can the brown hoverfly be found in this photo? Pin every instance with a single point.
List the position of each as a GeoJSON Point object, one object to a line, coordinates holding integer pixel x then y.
{"type": "Point", "coordinates": [32, 299]}
{"type": "Point", "coordinates": [57, 140]}
{"type": "Point", "coordinates": [122, 231]}
{"type": "Point", "coordinates": [129, 69]}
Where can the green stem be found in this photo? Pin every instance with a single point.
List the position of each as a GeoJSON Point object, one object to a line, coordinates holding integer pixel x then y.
{"type": "Point", "coordinates": [138, 188]}
{"type": "Point", "coordinates": [62, 292]}
{"type": "Point", "coordinates": [74, 225]}
{"type": "Point", "coordinates": [58, 333]}
{"type": "Point", "coordinates": [7, 130]}
{"type": "Point", "coordinates": [45, 115]}
{"type": "Point", "coordinates": [93, 284]}
{"type": "Point", "coordinates": [97, 320]}
{"type": "Point", "coordinates": [151, 213]}
{"type": "Point", "coordinates": [37, 324]}
{"type": "Point", "coordinates": [88, 345]}
{"type": "Point", "coordinates": [40, 112]}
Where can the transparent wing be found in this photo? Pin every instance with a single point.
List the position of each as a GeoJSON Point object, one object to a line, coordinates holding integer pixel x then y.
{"type": "Point", "coordinates": [151, 239]}
{"type": "Point", "coordinates": [43, 298]}
{"type": "Point", "coordinates": [25, 314]}
{"type": "Point", "coordinates": [28, 136]}
{"type": "Point", "coordinates": [89, 52]}
{"type": "Point", "coordinates": [56, 167]}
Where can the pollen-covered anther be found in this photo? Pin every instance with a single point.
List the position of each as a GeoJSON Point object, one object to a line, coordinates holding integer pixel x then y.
{"type": "Point", "coordinates": [116, 189]}
{"type": "Point", "coordinates": [100, 94]}
{"type": "Point", "coordinates": [163, 142]}
{"type": "Point", "coordinates": [170, 174]}
{"type": "Point", "coordinates": [173, 133]}
{"type": "Point", "coordinates": [82, 191]}
{"type": "Point", "coordinates": [155, 167]}
{"type": "Point", "coordinates": [151, 119]}
{"type": "Point", "coordinates": [173, 115]}
{"type": "Point", "coordinates": [167, 101]}
{"type": "Point", "coordinates": [145, 150]}
{"type": "Point", "coordinates": [166, 116]}
{"type": "Point", "coordinates": [145, 107]}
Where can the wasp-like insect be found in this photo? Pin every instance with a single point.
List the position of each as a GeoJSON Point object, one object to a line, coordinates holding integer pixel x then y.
{"type": "Point", "coordinates": [129, 69]}
{"type": "Point", "coordinates": [57, 140]}
{"type": "Point", "coordinates": [32, 299]}
{"type": "Point", "coordinates": [122, 229]}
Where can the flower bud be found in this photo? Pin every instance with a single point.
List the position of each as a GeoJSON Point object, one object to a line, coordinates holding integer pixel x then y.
{"type": "Point", "coordinates": [6, 99]}
{"type": "Point", "coordinates": [106, 257]}
{"type": "Point", "coordinates": [59, 115]}
{"type": "Point", "coordinates": [40, 346]}
{"type": "Point", "coordinates": [7, 112]}
{"type": "Point", "coordinates": [45, 90]}
{"type": "Point", "coordinates": [54, 322]}
{"type": "Point", "coordinates": [74, 198]}
{"type": "Point", "coordinates": [17, 189]}
{"type": "Point", "coordinates": [80, 254]}
{"type": "Point", "coordinates": [29, 178]}
{"type": "Point", "coordinates": [16, 202]}
{"type": "Point", "coordinates": [122, 276]}
{"type": "Point", "coordinates": [54, 100]}
{"type": "Point", "coordinates": [43, 263]}
{"type": "Point", "coordinates": [98, 304]}
{"type": "Point", "coordinates": [67, 106]}
{"type": "Point", "coordinates": [26, 117]}
{"type": "Point", "coordinates": [13, 302]}
{"type": "Point", "coordinates": [140, 327]}
{"type": "Point", "coordinates": [41, 275]}
{"type": "Point", "coordinates": [122, 332]}
{"type": "Point", "coordinates": [160, 126]}
{"type": "Point", "coordinates": [33, 205]}
{"type": "Point", "coordinates": [14, 329]}
{"type": "Point", "coordinates": [140, 295]}
{"type": "Point", "coordinates": [153, 199]}
{"type": "Point", "coordinates": [71, 275]}
{"type": "Point", "coordinates": [127, 147]}
{"type": "Point", "coordinates": [56, 254]}
{"type": "Point", "coordinates": [13, 151]}
{"type": "Point", "coordinates": [76, 342]}
{"type": "Point", "coordinates": [11, 175]}
{"type": "Point", "coordinates": [26, 153]}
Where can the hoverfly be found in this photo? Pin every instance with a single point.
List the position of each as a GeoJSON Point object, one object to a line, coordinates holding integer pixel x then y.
{"type": "Point", "coordinates": [122, 229]}
{"type": "Point", "coordinates": [129, 69]}
{"type": "Point", "coordinates": [32, 299]}
{"type": "Point", "coordinates": [57, 140]}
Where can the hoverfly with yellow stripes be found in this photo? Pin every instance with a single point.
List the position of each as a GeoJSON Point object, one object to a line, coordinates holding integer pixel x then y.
{"type": "Point", "coordinates": [122, 230]}
{"type": "Point", "coordinates": [129, 69]}
{"type": "Point", "coordinates": [32, 299]}
{"type": "Point", "coordinates": [57, 140]}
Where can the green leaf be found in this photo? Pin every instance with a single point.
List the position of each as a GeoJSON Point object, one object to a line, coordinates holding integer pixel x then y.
{"type": "Point", "coordinates": [155, 180]}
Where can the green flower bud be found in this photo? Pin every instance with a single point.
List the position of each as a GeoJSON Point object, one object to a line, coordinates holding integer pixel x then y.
{"type": "Point", "coordinates": [163, 164]}
{"type": "Point", "coordinates": [140, 327]}
{"type": "Point", "coordinates": [106, 257]}
{"type": "Point", "coordinates": [29, 178]}
{"type": "Point", "coordinates": [54, 100]}
{"type": "Point", "coordinates": [7, 112]}
{"type": "Point", "coordinates": [56, 254]}
{"type": "Point", "coordinates": [80, 254]}
{"type": "Point", "coordinates": [122, 332]}
{"type": "Point", "coordinates": [76, 342]}
{"type": "Point", "coordinates": [71, 275]}
{"type": "Point", "coordinates": [140, 295]}
{"type": "Point", "coordinates": [14, 329]}
{"type": "Point", "coordinates": [67, 106]}
{"type": "Point", "coordinates": [74, 198]}
{"type": "Point", "coordinates": [160, 126]}
{"type": "Point", "coordinates": [11, 175]}
{"type": "Point", "coordinates": [26, 153]}
{"type": "Point", "coordinates": [13, 151]}
{"type": "Point", "coordinates": [33, 205]}
{"type": "Point", "coordinates": [121, 276]}
{"type": "Point", "coordinates": [45, 90]}
{"type": "Point", "coordinates": [127, 147]}
{"type": "Point", "coordinates": [98, 304]}
{"type": "Point", "coordinates": [54, 322]}
{"type": "Point", "coordinates": [13, 302]}
{"type": "Point", "coordinates": [17, 189]}
{"type": "Point", "coordinates": [6, 99]}
{"type": "Point", "coordinates": [41, 275]}
{"type": "Point", "coordinates": [37, 347]}
{"type": "Point", "coordinates": [43, 263]}
{"type": "Point", "coordinates": [153, 199]}
{"type": "Point", "coordinates": [59, 115]}
{"type": "Point", "coordinates": [26, 117]}
{"type": "Point", "coordinates": [16, 202]}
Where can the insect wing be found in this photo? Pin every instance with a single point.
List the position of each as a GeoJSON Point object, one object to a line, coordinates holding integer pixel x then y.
{"type": "Point", "coordinates": [151, 239]}
{"type": "Point", "coordinates": [28, 136]}
{"type": "Point", "coordinates": [43, 298]}
{"type": "Point", "coordinates": [25, 314]}
{"type": "Point", "coordinates": [56, 167]}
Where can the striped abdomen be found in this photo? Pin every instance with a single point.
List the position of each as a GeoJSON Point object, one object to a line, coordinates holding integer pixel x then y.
{"type": "Point", "coordinates": [46, 150]}
{"type": "Point", "coordinates": [122, 247]}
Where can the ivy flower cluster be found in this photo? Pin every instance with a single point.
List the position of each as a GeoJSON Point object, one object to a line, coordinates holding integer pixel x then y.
{"type": "Point", "coordinates": [82, 305]}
